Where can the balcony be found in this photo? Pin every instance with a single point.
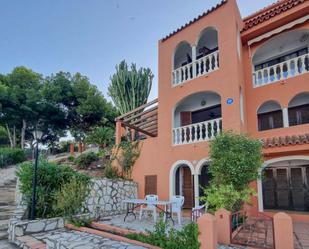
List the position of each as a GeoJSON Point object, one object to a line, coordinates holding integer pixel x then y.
{"type": "Point", "coordinates": [198, 132]}
{"type": "Point", "coordinates": [281, 71]}
{"type": "Point", "coordinates": [197, 118]}
{"type": "Point", "coordinates": [284, 56]}
{"type": "Point", "coordinates": [197, 68]}
{"type": "Point", "coordinates": [192, 61]}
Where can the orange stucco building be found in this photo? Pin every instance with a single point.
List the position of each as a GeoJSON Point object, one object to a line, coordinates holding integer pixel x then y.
{"type": "Point", "coordinates": [222, 71]}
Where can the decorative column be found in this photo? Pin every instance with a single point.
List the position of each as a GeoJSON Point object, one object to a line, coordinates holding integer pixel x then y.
{"type": "Point", "coordinates": [285, 115]}
{"type": "Point", "coordinates": [193, 60]}
{"type": "Point", "coordinates": [196, 190]}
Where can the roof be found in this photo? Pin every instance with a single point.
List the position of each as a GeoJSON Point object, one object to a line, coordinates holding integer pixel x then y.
{"type": "Point", "coordinates": [194, 20]}
{"type": "Point", "coordinates": [285, 140]}
{"type": "Point", "coordinates": [251, 20]}
{"type": "Point", "coordinates": [269, 12]}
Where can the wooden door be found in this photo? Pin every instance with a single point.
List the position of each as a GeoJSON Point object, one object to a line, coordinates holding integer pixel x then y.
{"type": "Point", "coordinates": [185, 118]}
{"type": "Point", "coordinates": [286, 188]}
{"type": "Point", "coordinates": [187, 187]}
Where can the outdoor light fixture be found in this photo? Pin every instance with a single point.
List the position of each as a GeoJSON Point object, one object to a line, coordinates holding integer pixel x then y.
{"type": "Point", "coordinates": [37, 134]}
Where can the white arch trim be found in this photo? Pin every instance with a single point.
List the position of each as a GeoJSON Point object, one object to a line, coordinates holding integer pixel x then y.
{"type": "Point", "coordinates": [200, 164]}
{"type": "Point", "coordinates": [266, 164]}
{"type": "Point", "coordinates": [173, 170]}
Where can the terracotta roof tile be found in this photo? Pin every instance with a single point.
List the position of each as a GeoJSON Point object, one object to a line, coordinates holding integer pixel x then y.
{"type": "Point", "coordinates": [285, 140]}
{"type": "Point", "coordinates": [269, 12]}
{"type": "Point", "coordinates": [194, 20]}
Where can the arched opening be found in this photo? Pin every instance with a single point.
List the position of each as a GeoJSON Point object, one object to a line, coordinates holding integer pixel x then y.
{"type": "Point", "coordinates": [182, 60]}
{"type": "Point", "coordinates": [182, 182]}
{"type": "Point", "coordinates": [207, 51]}
{"type": "Point", "coordinates": [285, 184]}
{"type": "Point", "coordinates": [269, 116]}
{"type": "Point", "coordinates": [197, 118]}
{"type": "Point", "coordinates": [207, 43]}
{"type": "Point", "coordinates": [183, 55]}
{"type": "Point", "coordinates": [284, 56]}
{"type": "Point", "coordinates": [298, 109]}
{"type": "Point", "coordinates": [204, 179]}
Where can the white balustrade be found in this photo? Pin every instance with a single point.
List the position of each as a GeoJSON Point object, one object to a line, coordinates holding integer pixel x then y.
{"type": "Point", "coordinates": [196, 68]}
{"type": "Point", "coordinates": [287, 69]}
{"type": "Point", "coordinates": [197, 132]}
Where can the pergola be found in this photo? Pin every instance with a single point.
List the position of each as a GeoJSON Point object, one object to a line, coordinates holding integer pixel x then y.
{"type": "Point", "coordinates": [143, 119]}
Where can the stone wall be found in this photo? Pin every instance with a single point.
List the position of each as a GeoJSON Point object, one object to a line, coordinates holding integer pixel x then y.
{"type": "Point", "coordinates": [106, 196]}
{"type": "Point", "coordinates": [104, 199]}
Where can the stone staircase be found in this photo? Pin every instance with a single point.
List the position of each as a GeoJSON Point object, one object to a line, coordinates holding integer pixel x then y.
{"type": "Point", "coordinates": [7, 199]}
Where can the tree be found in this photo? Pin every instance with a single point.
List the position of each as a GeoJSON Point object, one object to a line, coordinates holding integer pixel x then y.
{"type": "Point", "coordinates": [90, 108]}
{"type": "Point", "coordinates": [130, 89]}
{"type": "Point", "coordinates": [19, 109]}
{"type": "Point", "coordinates": [101, 135]}
{"type": "Point", "coordinates": [235, 162]}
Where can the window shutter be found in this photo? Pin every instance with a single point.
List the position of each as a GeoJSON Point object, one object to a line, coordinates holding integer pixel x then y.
{"type": "Point", "coordinates": [151, 185]}
{"type": "Point", "coordinates": [185, 118]}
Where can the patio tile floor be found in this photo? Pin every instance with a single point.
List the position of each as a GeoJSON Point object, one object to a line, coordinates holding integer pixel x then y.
{"type": "Point", "coordinates": [145, 224]}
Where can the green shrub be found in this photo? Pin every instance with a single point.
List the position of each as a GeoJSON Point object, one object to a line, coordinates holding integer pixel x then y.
{"type": "Point", "coordinates": [84, 160]}
{"type": "Point", "coordinates": [111, 172]}
{"type": "Point", "coordinates": [9, 156]}
{"type": "Point", "coordinates": [69, 199]}
{"type": "Point", "coordinates": [235, 159]}
{"type": "Point", "coordinates": [226, 196]}
{"type": "Point", "coordinates": [51, 179]}
{"type": "Point", "coordinates": [173, 239]}
{"type": "Point", "coordinates": [71, 158]}
{"type": "Point", "coordinates": [235, 162]}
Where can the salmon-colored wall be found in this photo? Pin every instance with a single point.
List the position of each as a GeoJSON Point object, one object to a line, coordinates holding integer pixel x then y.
{"type": "Point", "coordinates": [158, 154]}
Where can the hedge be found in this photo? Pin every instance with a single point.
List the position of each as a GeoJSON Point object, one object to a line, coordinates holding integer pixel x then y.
{"type": "Point", "coordinates": [9, 156]}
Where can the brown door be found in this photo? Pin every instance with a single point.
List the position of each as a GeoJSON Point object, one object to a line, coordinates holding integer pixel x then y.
{"type": "Point", "coordinates": [187, 188]}
{"type": "Point", "coordinates": [185, 118]}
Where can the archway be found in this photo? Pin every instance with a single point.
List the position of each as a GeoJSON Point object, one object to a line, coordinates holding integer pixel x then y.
{"type": "Point", "coordinates": [182, 181]}
{"type": "Point", "coordinates": [298, 109]}
{"type": "Point", "coordinates": [284, 184]}
{"type": "Point", "coordinates": [269, 116]}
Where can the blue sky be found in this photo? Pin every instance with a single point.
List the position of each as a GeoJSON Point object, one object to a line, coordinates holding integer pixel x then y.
{"type": "Point", "coordinates": [92, 36]}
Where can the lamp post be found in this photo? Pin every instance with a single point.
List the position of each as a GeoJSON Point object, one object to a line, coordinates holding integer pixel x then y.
{"type": "Point", "coordinates": [37, 135]}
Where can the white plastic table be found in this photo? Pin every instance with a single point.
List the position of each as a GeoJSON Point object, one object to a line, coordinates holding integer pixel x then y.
{"type": "Point", "coordinates": [132, 204]}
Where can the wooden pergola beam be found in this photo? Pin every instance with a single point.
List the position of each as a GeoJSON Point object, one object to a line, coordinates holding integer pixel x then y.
{"type": "Point", "coordinates": [141, 114]}
{"type": "Point", "coordinates": [138, 129]}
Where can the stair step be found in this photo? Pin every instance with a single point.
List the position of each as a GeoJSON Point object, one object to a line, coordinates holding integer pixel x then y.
{"type": "Point", "coordinates": [3, 235]}
{"type": "Point", "coordinates": [5, 215]}
{"type": "Point", "coordinates": [4, 224]}
{"type": "Point", "coordinates": [7, 208]}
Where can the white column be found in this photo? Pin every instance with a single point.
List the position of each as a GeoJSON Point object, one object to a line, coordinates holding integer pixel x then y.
{"type": "Point", "coordinates": [196, 190]}
{"type": "Point", "coordinates": [193, 60]}
{"type": "Point", "coordinates": [285, 114]}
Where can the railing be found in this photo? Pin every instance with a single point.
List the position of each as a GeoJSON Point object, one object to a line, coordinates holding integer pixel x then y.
{"type": "Point", "coordinates": [198, 132]}
{"type": "Point", "coordinates": [196, 68]}
{"type": "Point", "coordinates": [287, 69]}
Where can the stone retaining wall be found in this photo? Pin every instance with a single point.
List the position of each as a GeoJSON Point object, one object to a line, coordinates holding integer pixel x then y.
{"type": "Point", "coordinates": [105, 199]}
{"type": "Point", "coordinates": [106, 196]}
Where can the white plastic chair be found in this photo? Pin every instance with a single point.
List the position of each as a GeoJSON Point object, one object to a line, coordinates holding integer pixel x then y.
{"type": "Point", "coordinates": [199, 211]}
{"type": "Point", "coordinates": [149, 207]}
{"type": "Point", "coordinates": [177, 203]}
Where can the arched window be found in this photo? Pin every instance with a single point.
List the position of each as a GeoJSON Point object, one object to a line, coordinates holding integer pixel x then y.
{"type": "Point", "coordinates": [207, 42]}
{"type": "Point", "coordinates": [299, 109]}
{"type": "Point", "coordinates": [182, 55]}
{"type": "Point", "coordinates": [269, 116]}
{"type": "Point", "coordinates": [284, 56]}
{"type": "Point", "coordinates": [182, 60]}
